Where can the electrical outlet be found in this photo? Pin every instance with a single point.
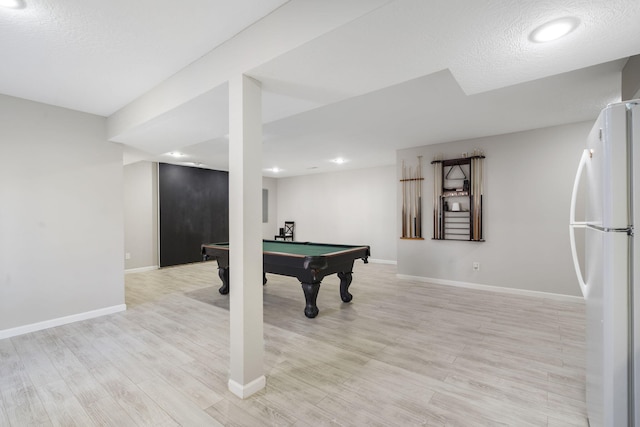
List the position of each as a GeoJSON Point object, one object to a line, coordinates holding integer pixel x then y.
{"type": "Point", "coordinates": [127, 256]}
{"type": "Point", "coordinates": [476, 266]}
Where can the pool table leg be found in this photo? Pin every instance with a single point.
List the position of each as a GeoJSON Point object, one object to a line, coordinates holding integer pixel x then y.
{"type": "Point", "coordinates": [345, 281]}
{"type": "Point", "coordinates": [224, 276]}
{"type": "Point", "coordinates": [310, 295]}
{"type": "Point", "coordinates": [223, 272]}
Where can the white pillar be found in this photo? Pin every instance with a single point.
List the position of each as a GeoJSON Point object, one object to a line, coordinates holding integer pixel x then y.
{"type": "Point", "coordinates": [245, 237]}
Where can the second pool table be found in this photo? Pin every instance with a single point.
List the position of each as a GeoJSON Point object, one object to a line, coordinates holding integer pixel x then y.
{"type": "Point", "coordinates": [308, 262]}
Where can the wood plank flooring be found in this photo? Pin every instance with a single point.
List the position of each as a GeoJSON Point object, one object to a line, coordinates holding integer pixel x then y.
{"type": "Point", "coordinates": [403, 353]}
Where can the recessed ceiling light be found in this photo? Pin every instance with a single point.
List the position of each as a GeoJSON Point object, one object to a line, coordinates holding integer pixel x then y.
{"type": "Point", "coordinates": [275, 170]}
{"type": "Point", "coordinates": [175, 154]}
{"type": "Point", "coordinates": [553, 30]}
{"type": "Point", "coordinates": [339, 161]}
{"type": "Point", "coordinates": [12, 4]}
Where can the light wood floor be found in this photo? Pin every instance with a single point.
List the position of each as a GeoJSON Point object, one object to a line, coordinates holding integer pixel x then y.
{"type": "Point", "coordinates": [402, 353]}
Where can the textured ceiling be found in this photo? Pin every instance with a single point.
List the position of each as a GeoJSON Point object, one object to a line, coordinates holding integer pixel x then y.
{"type": "Point", "coordinates": [484, 44]}
{"type": "Point", "coordinates": [97, 56]}
{"type": "Point", "coordinates": [357, 79]}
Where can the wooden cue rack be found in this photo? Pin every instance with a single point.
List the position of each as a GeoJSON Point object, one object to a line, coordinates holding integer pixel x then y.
{"type": "Point", "coordinates": [411, 183]}
{"type": "Point", "coordinates": [457, 198]}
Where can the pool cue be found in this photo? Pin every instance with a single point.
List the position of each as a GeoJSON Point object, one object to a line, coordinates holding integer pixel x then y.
{"type": "Point", "coordinates": [474, 187]}
{"type": "Point", "coordinates": [476, 199]}
{"type": "Point", "coordinates": [410, 201]}
{"type": "Point", "coordinates": [407, 207]}
{"type": "Point", "coordinates": [415, 203]}
{"type": "Point", "coordinates": [410, 209]}
{"type": "Point", "coordinates": [419, 231]}
{"type": "Point", "coordinates": [480, 191]}
{"type": "Point", "coordinates": [413, 196]}
{"type": "Point", "coordinates": [407, 202]}
{"type": "Point", "coordinates": [418, 204]}
{"type": "Point", "coordinates": [411, 204]}
{"type": "Point", "coordinates": [404, 225]}
{"type": "Point", "coordinates": [472, 199]}
{"type": "Point", "coordinates": [436, 200]}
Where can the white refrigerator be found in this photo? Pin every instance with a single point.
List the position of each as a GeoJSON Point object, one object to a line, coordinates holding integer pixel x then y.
{"type": "Point", "coordinates": [608, 179]}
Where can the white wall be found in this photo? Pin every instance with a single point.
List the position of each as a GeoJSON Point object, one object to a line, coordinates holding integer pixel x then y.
{"type": "Point", "coordinates": [351, 207]}
{"type": "Point", "coordinates": [528, 182]}
{"type": "Point", "coordinates": [270, 228]}
{"type": "Point", "coordinates": [141, 215]}
{"type": "Point", "coordinates": [61, 221]}
{"type": "Point", "coordinates": [631, 79]}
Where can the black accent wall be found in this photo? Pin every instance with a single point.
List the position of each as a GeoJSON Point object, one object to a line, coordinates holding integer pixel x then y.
{"type": "Point", "coordinates": [194, 209]}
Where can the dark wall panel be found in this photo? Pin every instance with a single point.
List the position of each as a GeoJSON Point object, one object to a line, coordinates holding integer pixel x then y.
{"type": "Point", "coordinates": [194, 209]}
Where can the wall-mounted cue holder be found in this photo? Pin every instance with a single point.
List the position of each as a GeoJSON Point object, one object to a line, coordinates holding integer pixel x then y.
{"type": "Point", "coordinates": [457, 198]}
{"type": "Point", "coordinates": [411, 183]}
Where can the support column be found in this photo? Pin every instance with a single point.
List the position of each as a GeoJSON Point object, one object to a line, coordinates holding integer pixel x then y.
{"type": "Point", "coordinates": [245, 237]}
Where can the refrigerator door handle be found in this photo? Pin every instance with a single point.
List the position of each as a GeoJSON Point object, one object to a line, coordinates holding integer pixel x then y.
{"type": "Point", "coordinates": [573, 224]}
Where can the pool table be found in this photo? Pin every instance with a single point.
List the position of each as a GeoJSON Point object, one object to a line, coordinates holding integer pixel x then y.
{"type": "Point", "coordinates": [308, 262]}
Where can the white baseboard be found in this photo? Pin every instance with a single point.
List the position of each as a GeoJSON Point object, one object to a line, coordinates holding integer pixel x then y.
{"type": "Point", "coordinates": [383, 261]}
{"type": "Point", "coordinates": [244, 391]}
{"type": "Point", "coordinates": [20, 330]}
{"type": "Point", "coordinates": [141, 269]}
{"type": "Point", "coordinates": [500, 289]}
